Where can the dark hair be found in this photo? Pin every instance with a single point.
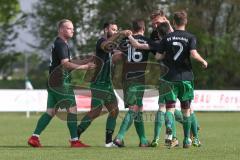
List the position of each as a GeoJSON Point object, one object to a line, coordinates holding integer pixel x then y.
{"type": "Point", "coordinates": [157, 13]}
{"type": "Point", "coordinates": [180, 18]}
{"type": "Point", "coordinates": [61, 22]}
{"type": "Point", "coordinates": [163, 29]}
{"type": "Point", "coordinates": [107, 24]}
{"type": "Point", "coordinates": [138, 24]}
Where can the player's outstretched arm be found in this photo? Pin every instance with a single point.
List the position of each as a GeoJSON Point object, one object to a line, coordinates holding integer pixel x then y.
{"type": "Point", "coordinates": [71, 66]}
{"type": "Point", "coordinates": [88, 66]}
{"type": "Point", "coordinates": [137, 45]}
{"type": "Point", "coordinates": [196, 56]}
{"type": "Point", "coordinates": [114, 38]}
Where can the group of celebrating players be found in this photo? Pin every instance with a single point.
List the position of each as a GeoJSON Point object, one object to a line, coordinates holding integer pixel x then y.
{"type": "Point", "coordinates": [172, 46]}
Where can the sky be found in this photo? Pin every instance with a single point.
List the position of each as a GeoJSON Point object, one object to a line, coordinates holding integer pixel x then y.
{"type": "Point", "coordinates": [25, 36]}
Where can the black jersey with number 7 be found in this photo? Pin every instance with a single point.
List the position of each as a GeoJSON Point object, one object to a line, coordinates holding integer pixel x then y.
{"type": "Point", "coordinates": [177, 46]}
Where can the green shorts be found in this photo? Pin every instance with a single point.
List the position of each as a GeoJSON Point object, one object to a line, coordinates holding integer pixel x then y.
{"type": "Point", "coordinates": [133, 93]}
{"type": "Point", "coordinates": [61, 98]}
{"type": "Point", "coordinates": [102, 94]}
{"type": "Point", "coordinates": [170, 91]}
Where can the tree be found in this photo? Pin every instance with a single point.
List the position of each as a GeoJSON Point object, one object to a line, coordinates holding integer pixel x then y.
{"type": "Point", "coordinates": [216, 26]}
{"type": "Point", "coordinates": [215, 23]}
{"type": "Point", "coordinates": [10, 18]}
{"type": "Point", "coordinates": [49, 12]}
{"type": "Point", "coordinates": [87, 16]}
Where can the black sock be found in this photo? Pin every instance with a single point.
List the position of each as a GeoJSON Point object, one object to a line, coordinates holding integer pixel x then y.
{"type": "Point", "coordinates": [79, 131]}
{"type": "Point", "coordinates": [109, 134]}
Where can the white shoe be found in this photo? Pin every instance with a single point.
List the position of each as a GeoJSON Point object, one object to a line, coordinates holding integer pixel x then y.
{"type": "Point", "coordinates": [111, 144]}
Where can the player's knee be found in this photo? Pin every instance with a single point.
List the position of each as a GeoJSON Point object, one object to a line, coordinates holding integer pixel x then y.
{"type": "Point", "coordinates": [51, 112]}
{"type": "Point", "coordinates": [134, 108]}
{"type": "Point", "coordinates": [186, 112]}
{"type": "Point", "coordinates": [162, 107]}
{"type": "Point", "coordinates": [114, 112]}
{"type": "Point", "coordinates": [72, 110]}
{"type": "Point", "coordinates": [94, 112]}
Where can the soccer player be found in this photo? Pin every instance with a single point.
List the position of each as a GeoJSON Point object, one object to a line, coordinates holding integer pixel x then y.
{"type": "Point", "coordinates": [133, 79]}
{"type": "Point", "coordinates": [161, 27]}
{"type": "Point", "coordinates": [101, 86]}
{"type": "Point", "coordinates": [60, 93]}
{"type": "Point", "coordinates": [177, 48]}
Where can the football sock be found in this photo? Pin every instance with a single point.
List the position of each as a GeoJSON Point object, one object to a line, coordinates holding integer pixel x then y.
{"type": "Point", "coordinates": [169, 119]}
{"type": "Point", "coordinates": [85, 123]}
{"type": "Point", "coordinates": [72, 124]}
{"type": "Point", "coordinates": [126, 123]}
{"type": "Point", "coordinates": [111, 122]}
{"type": "Point", "coordinates": [109, 134]}
{"type": "Point", "coordinates": [186, 126]}
{"type": "Point", "coordinates": [42, 123]}
{"type": "Point", "coordinates": [178, 116]}
{"type": "Point", "coordinates": [139, 125]}
{"type": "Point", "coordinates": [174, 132]}
{"type": "Point", "coordinates": [194, 125]}
{"type": "Point", "coordinates": [110, 127]}
{"type": "Point", "coordinates": [159, 120]}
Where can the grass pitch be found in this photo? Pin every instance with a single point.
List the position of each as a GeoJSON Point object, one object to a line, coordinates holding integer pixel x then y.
{"type": "Point", "coordinates": [219, 135]}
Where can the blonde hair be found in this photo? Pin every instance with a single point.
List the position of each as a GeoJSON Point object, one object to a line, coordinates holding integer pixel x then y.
{"type": "Point", "coordinates": [61, 23]}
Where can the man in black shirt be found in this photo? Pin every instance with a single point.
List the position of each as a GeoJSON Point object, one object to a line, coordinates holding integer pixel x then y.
{"type": "Point", "coordinates": [60, 92]}
{"type": "Point", "coordinates": [133, 79]}
{"type": "Point", "coordinates": [161, 27]}
{"type": "Point", "coordinates": [177, 48]}
{"type": "Point", "coordinates": [101, 85]}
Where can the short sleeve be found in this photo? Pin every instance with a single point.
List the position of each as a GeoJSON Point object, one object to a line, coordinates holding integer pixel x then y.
{"type": "Point", "coordinates": [61, 50]}
{"type": "Point", "coordinates": [193, 43]}
{"type": "Point", "coordinates": [99, 43]}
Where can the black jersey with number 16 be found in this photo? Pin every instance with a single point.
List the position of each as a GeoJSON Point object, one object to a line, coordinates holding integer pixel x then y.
{"type": "Point", "coordinates": [177, 46]}
{"type": "Point", "coordinates": [135, 59]}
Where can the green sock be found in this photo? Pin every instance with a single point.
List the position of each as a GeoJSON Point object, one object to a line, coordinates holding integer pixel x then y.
{"type": "Point", "coordinates": [169, 118]}
{"type": "Point", "coordinates": [194, 125]}
{"type": "Point", "coordinates": [139, 125]}
{"type": "Point", "coordinates": [159, 120]}
{"type": "Point", "coordinates": [186, 126]}
{"type": "Point", "coordinates": [72, 124]}
{"type": "Point", "coordinates": [174, 132]}
{"type": "Point", "coordinates": [111, 123]}
{"type": "Point", "coordinates": [85, 123]}
{"type": "Point", "coordinates": [126, 123]}
{"type": "Point", "coordinates": [42, 123]}
{"type": "Point", "coordinates": [178, 116]}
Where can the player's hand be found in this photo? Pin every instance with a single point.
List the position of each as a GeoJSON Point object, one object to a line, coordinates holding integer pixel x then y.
{"type": "Point", "coordinates": [205, 64]}
{"type": "Point", "coordinates": [91, 65]}
{"type": "Point", "coordinates": [126, 33]}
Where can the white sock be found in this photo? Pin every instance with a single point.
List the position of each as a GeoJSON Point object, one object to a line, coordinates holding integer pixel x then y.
{"type": "Point", "coordinates": [74, 139]}
{"type": "Point", "coordinates": [35, 135]}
